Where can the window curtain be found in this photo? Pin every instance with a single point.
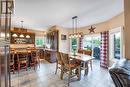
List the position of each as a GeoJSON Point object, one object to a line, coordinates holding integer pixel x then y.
{"type": "Point", "coordinates": [81, 42]}
{"type": "Point", "coordinates": [104, 49]}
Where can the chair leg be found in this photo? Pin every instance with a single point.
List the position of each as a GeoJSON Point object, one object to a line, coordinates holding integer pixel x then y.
{"type": "Point", "coordinates": [18, 67]}
{"type": "Point", "coordinates": [69, 76]}
{"type": "Point", "coordinates": [79, 73]}
{"type": "Point", "coordinates": [34, 66]}
{"type": "Point", "coordinates": [86, 70]}
{"type": "Point", "coordinates": [56, 68]}
{"type": "Point", "coordinates": [91, 64]}
{"type": "Point", "coordinates": [62, 72]}
{"type": "Point", "coordinates": [26, 66]}
{"type": "Point", "coordinates": [13, 68]}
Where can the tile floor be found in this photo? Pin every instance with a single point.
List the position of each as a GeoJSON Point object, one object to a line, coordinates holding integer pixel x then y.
{"type": "Point", "coordinates": [45, 77]}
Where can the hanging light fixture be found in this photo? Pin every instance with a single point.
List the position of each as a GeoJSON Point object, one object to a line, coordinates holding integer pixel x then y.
{"type": "Point", "coordinates": [28, 36]}
{"type": "Point", "coordinates": [75, 34]}
{"type": "Point", "coordinates": [14, 35]}
{"type": "Point", "coordinates": [21, 35]}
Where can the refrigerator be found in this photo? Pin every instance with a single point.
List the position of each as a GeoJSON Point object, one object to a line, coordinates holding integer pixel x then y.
{"type": "Point", "coordinates": [6, 10]}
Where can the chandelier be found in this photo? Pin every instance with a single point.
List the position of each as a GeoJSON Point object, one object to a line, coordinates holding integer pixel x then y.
{"type": "Point", "coordinates": [75, 34]}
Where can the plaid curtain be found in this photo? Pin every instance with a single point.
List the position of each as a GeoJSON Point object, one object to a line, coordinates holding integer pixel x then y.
{"type": "Point", "coordinates": [81, 42]}
{"type": "Point", "coordinates": [104, 49]}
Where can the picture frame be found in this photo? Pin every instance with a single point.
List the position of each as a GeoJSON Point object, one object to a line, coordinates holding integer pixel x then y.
{"type": "Point", "coordinates": [63, 37]}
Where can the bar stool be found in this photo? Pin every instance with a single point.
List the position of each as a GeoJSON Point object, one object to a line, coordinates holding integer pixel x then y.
{"type": "Point", "coordinates": [35, 58]}
{"type": "Point", "coordinates": [11, 61]}
{"type": "Point", "coordinates": [22, 60]}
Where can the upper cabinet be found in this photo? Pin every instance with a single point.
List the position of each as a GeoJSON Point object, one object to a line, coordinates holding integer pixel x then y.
{"type": "Point", "coordinates": [52, 39]}
{"type": "Point", "coordinates": [22, 37]}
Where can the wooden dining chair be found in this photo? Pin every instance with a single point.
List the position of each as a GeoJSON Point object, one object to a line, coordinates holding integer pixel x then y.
{"type": "Point", "coordinates": [88, 52]}
{"type": "Point", "coordinates": [80, 51]}
{"type": "Point", "coordinates": [11, 61]}
{"type": "Point", "coordinates": [35, 58]}
{"type": "Point", "coordinates": [22, 60]}
{"type": "Point", "coordinates": [69, 67]}
{"type": "Point", "coordinates": [59, 62]}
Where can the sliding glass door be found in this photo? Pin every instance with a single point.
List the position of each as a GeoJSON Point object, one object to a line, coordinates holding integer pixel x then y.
{"type": "Point", "coordinates": [92, 42]}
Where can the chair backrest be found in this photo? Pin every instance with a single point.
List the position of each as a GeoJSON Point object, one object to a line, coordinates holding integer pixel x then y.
{"type": "Point", "coordinates": [65, 58]}
{"type": "Point", "coordinates": [22, 56]}
{"type": "Point", "coordinates": [88, 52]}
{"type": "Point", "coordinates": [80, 51]}
{"type": "Point", "coordinates": [12, 55]}
{"type": "Point", "coordinates": [58, 56]}
{"type": "Point", "coordinates": [33, 53]}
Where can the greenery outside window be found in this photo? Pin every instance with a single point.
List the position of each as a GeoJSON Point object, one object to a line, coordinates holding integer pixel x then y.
{"type": "Point", "coordinates": [40, 41]}
{"type": "Point", "coordinates": [74, 44]}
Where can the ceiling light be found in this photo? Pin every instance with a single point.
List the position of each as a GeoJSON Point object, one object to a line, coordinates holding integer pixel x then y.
{"type": "Point", "coordinates": [75, 34]}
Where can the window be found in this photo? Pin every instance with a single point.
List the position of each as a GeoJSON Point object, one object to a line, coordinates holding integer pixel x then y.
{"type": "Point", "coordinates": [92, 42]}
{"type": "Point", "coordinates": [39, 41]}
{"type": "Point", "coordinates": [87, 42]}
{"type": "Point", "coordinates": [116, 43]}
{"type": "Point", "coordinates": [73, 44]}
{"type": "Point", "coordinates": [117, 37]}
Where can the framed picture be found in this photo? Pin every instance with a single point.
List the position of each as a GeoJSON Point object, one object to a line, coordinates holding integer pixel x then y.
{"type": "Point", "coordinates": [63, 37]}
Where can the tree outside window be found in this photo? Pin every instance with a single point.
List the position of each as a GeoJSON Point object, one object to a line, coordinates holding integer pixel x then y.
{"type": "Point", "coordinates": [74, 44]}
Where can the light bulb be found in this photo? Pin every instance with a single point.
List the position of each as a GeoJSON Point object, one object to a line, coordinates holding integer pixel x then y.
{"type": "Point", "coordinates": [27, 36]}
{"type": "Point", "coordinates": [21, 35]}
{"type": "Point", "coordinates": [15, 35]}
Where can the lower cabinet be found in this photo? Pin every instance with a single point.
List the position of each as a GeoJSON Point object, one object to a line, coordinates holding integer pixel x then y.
{"type": "Point", "coordinates": [50, 56]}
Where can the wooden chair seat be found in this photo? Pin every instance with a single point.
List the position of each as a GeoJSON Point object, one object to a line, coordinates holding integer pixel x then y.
{"type": "Point", "coordinates": [24, 61]}
{"type": "Point", "coordinates": [11, 63]}
{"type": "Point", "coordinates": [72, 65]}
{"type": "Point", "coordinates": [60, 62]}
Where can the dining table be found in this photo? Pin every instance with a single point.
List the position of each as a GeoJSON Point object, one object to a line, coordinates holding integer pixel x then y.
{"type": "Point", "coordinates": [85, 60]}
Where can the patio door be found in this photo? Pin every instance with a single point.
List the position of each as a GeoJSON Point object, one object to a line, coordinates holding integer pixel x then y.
{"type": "Point", "coordinates": [92, 42]}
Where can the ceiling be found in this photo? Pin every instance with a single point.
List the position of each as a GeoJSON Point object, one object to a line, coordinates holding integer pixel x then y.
{"type": "Point", "coordinates": [41, 14]}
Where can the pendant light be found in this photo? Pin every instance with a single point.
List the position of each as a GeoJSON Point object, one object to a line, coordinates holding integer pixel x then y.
{"type": "Point", "coordinates": [75, 34]}
{"type": "Point", "coordinates": [14, 35]}
{"type": "Point", "coordinates": [21, 35]}
{"type": "Point", "coordinates": [27, 36]}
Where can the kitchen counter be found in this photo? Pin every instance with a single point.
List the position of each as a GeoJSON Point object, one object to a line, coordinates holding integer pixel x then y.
{"type": "Point", "coordinates": [50, 55]}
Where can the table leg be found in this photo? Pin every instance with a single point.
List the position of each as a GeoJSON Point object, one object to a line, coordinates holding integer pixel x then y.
{"type": "Point", "coordinates": [86, 70]}
{"type": "Point", "coordinates": [91, 64]}
{"type": "Point", "coordinates": [85, 67]}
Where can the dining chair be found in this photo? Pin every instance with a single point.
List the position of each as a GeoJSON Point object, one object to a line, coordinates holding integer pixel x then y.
{"type": "Point", "coordinates": [80, 51]}
{"type": "Point", "coordinates": [35, 58]}
{"type": "Point", "coordinates": [69, 68]}
{"type": "Point", "coordinates": [59, 62]}
{"type": "Point", "coordinates": [88, 52]}
{"type": "Point", "coordinates": [22, 60]}
{"type": "Point", "coordinates": [11, 61]}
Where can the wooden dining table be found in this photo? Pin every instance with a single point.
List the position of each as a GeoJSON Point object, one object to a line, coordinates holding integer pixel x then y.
{"type": "Point", "coordinates": [85, 59]}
